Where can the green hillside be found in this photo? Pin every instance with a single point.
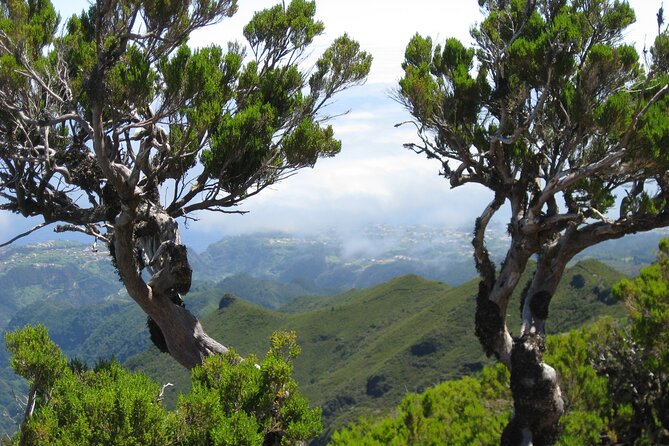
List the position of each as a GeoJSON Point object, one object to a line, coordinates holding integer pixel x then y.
{"type": "Point", "coordinates": [266, 293]}
{"type": "Point", "coordinates": [66, 272]}
{"type": "Point", "coordinates": [364, 349]}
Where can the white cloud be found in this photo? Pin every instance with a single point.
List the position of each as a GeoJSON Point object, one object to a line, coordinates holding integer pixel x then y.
{"type": "Point", "coordinates": [384, 27]}
{"type": "Point", "coordinates": [4, 225]}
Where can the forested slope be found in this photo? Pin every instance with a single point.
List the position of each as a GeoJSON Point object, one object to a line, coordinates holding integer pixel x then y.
{"type": "Point", "coordinates": [363, 350]}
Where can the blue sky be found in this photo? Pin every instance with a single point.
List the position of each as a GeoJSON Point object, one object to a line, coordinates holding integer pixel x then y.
{"type": "Point", "coordinates": [374, 180]}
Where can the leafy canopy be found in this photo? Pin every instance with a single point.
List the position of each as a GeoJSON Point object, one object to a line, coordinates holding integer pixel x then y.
{"type": "Point", "coordinates": [213, 125]}
{"type": "Point", "coordinates": [548, 88]}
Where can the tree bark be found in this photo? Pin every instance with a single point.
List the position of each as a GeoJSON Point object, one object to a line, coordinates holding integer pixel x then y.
{"type": "Point", "coordinates": [492, 303]}
{"type": "Point", "coordinates": [538, 402]}
{"type": "Point", "coordinates": [30, 408]}
{"type": "Point", "coordinates": [184, 336]}
{"type": "Point", "coordinates": [537, 399]}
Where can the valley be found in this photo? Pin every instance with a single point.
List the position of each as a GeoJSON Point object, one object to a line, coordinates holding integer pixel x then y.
{"type": "Point", "coordinates": [386, 313]}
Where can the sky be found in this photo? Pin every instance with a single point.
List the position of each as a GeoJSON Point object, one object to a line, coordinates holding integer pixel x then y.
{"type": "Point", "coordinates": [374, 180]}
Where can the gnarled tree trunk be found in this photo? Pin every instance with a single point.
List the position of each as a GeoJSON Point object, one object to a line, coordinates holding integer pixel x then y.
{"type": "Point", "coordinates": [538, 402]}
{"type": "Point", "coordinates": [166, 259]}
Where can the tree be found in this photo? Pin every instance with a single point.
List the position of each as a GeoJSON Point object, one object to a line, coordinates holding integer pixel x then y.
{"type": "Point", "coordinates": [38, 359]}
{"type": "Point", "coordinates": [116, 128]}
{"type": "Point", "coordinates": [558, 118]}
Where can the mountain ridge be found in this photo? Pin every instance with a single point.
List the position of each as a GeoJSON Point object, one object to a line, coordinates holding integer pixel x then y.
{"type": "Point", "coordinates": [364, 349]}
{"type": "Point", "coordinates": [66, 282]}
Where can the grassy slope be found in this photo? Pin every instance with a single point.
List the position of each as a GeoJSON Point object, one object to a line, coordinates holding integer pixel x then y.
{"type": "Point", "coordinates": [364, 349]}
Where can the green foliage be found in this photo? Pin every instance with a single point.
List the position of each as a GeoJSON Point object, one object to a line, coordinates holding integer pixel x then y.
{"type": "Point", "coordinates": [269, 99]}
{"type": "Point", "coordinates": [341, 63]}
{"type": "Point", "coordinates": [276, 27]}
{"type": "Point", "coordinates": [615, 114]}
{"type": "Point", "coordinates": [660, 52]}
{"type": "Point", "coordinates": [308, 140]}
{"type": "Point", "coordinates": [240, 145]}
{"type": "Point", "coordinates": [654, 135]}
{"type": "Point", "coordinates": [35, 357]}
{"type": "Point", "coordinates": [238, 402]}
{"type": "Point", "coordinates": [233, 402]}
{"type": "Point", "coordinates": [612, 376]}
{"type": "Point", "coordinates": [418, 86]}
{"type": "Point", "coordinates": [474, 410]}
{"type": "Point", "coordinates": [107, 405]}
{"type": "Point", "coordinates": [637, 360]}
{"type": "Point", "coordinates": [203, 79]}
{"type": "Point", "coordinates": [132, 80]}
{"type": "Point", "coordinates": [647, 300]}
{"type": "Point", "coordinates": [32, 22]}
{"type": "Point", "coordinates": [75, 407]}
{"type": "Point", "coordinates": [469, 411]}
{"type": "Point", "coordinates": [587, 397]}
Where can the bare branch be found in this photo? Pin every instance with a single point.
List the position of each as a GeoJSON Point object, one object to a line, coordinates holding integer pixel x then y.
{"type": "Point", "coordinates": [565, 179]}
{"type": "Point", "coordinates": [162, 392]}
{"type": "Point", "coordinates": [91, 230]}
{"type": "Point", "coordinates": [25, 234]}
{"type": "Point", "coordinates": [481, 255]}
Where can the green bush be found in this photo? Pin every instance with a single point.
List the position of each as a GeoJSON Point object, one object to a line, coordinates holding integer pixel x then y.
{"type": "Point", "coordinates": [469, 411]}
{"type": "Point", "coordinates": [239, 402]}
{"type": "Point", "coordinates": [233, 402]}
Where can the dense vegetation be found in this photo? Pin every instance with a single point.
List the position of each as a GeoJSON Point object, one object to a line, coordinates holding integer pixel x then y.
{"type": "Point", "coordinates": [474, 410]}
{"type": "Point", "coordinates": [233, 402]}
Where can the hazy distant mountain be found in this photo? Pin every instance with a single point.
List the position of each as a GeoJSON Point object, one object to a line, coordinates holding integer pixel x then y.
{"type": "Point", "coordinates": [272, 268]}
{"type": "Point", "coordinates": [331, 262]}
{"type": "Point", "coordinates": [65, 272]}
{"type": "Point", "coordinates": [265, 293]}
